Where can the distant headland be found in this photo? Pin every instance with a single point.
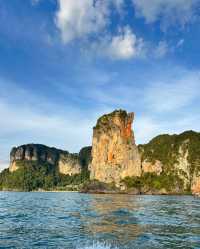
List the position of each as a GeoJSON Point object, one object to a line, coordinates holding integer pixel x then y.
{"type": "Point", "coordinates": [168, 164]}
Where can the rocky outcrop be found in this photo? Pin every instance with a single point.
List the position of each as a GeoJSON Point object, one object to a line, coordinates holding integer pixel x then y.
{"type": "Point", "coordinates": [183, 165]}
{"type": "Point", "coordinates": [66, 162]}
{"type": "Point", "coordinates": [149, 167]}
{"type": "Point", "coordinates": [195, 187]}
{"type": "Point", "coordinates": [33, 152]}
{"type": "Point", "coordinates": [177, 155]}
{"type": "Point", "coordinates": [114, 153]}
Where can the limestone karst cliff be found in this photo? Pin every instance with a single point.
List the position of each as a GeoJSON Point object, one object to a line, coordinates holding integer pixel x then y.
{"type": "Point", "coordinates": [177, 155]}
{"type": "Point", "coordinates": [33, 152]}
{"type": "Point", "coordinates": [114, 153]}
{"type": "Point", "coordinates": [167, 164]}
{"type": "Point", "coordinates": [67, 163]}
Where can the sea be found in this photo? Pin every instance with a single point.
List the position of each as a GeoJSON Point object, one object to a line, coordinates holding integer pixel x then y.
{"type": "Point", "coordinates": [95, 221]}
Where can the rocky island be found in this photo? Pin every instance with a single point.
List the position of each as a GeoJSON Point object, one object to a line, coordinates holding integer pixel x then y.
{"type": "Point", "coordinates": [168, 164]}
{"type": "Point", "coordinates": [114, 152]}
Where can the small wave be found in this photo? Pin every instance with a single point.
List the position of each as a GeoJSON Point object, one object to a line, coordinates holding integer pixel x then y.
{"type": "Point", "coordinates": [97, 246]}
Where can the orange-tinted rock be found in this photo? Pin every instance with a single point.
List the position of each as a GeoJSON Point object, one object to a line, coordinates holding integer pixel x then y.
{"type": "Point", "coordinates": [196, 185]}
{"type": "Point", "coordinates": [114, 153]}
{"type": "Point", "coordinates": [149, 167]}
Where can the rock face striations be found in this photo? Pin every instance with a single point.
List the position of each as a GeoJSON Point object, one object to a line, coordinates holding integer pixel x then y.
{"type": "Point", "coordinates": [114, 153]}
{"type": "Point", "coordinates": [67, 163]}
{"type": "Point", "coordinates": [177, 155]}
{"type": "Point", "coordinates": [33, 152]}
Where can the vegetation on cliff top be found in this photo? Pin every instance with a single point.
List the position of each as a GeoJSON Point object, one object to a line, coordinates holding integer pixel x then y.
{"type": "Point", "coordinates": [34, 175]}
{"type": "Point", "coordinates": [104, 120]}
{"type": "Point", "coordinates": [166, 148]}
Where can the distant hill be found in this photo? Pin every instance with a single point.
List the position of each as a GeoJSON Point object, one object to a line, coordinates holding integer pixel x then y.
{"type": "Point", "coordinates": [36, 166]}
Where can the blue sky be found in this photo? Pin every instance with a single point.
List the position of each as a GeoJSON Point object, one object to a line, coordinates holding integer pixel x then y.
{"type": "Point", "coordinates": [63, 63]}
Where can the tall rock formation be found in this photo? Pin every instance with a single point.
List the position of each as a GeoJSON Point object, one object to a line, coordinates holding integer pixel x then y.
{"type": "Point", "coordinates": [114, 153]}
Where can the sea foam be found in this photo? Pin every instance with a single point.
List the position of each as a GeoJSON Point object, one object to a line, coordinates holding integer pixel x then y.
{"type": "Point", "coordinates": [98, 246]}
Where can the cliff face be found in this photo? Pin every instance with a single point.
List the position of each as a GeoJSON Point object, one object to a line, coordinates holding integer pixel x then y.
{"type": "Point", "coordinates": [177, 155]}
{"type": "Point", "coordinates": [149, 167]}
{"type": "Point", "coordinates": [114, 153]}
{"type": "Point", "coordinates": [85, 157]}
{"type": "Point", "coordinates": [33, 152]}
{"type": "Point", "coordinates": [67, 163]}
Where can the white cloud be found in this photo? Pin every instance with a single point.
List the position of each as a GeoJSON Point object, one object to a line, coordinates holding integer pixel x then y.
{"type": "Point", "coordinates": [168, 11]}
{"type": "Point", "coordinates": [78, 18]}
{"type": "Point", "coordinates": [125, 45]}
{"type": "Point", "coordinates": [122, 46]}
{"type": "Point", "coordinates": [83, 18]}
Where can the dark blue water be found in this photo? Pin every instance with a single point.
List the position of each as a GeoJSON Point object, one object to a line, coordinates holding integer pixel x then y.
{"type": "Point", "coordinates": [73, 220]}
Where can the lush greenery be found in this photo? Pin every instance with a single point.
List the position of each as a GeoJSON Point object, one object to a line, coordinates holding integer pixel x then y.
{"type": "Point", "coordinates": [166, 148]}
{"type": "Point", "coordinates": [105, 119]}
{"type": "Point", "coordinates": [35, 175]}
{"type": "Point", "coordinates": [150, 181]}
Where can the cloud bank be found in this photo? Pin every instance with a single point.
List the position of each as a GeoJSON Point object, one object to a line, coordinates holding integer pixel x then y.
{"type": "Point", "coordinates": [85, 18]}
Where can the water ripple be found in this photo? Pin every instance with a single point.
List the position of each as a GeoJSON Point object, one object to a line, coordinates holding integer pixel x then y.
{"type": "Point", "coordinates": [82, 221]}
